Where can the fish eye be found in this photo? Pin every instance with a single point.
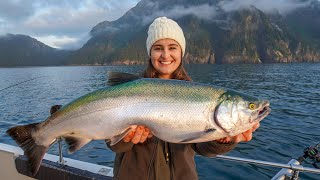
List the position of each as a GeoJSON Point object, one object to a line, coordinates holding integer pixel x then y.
{"type": "Point", "coordinates": [252, 106]}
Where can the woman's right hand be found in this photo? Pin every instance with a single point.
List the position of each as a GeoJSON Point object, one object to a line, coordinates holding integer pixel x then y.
{"type": "Point", "coordinates": [138, 135]}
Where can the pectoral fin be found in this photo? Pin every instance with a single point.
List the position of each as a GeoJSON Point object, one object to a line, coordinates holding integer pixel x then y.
{"type": "Point", "coordinates": [196, 136]}
{"type": "Point", "coordinates": [115, 139]}
{"type": "Point", "coordinates": [75, 143]}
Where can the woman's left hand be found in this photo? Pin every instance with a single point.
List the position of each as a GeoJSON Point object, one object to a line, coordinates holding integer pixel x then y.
{"type": "Point", "coordinates": [244, 137]}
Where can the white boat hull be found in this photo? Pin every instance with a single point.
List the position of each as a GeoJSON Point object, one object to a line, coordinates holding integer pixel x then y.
{"type": "Point", "coordinates": [10, 154]}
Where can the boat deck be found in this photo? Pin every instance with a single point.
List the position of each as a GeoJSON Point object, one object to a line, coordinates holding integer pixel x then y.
{"type": "Point", "coordinates": [14, 166]}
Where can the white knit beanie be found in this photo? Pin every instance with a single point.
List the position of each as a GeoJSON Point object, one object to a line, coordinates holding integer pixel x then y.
{"type": "Point", "coordinates": [162, 28]}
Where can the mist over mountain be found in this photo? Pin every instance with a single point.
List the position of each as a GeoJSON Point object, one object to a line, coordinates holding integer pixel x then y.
{"type": "Point", "coordinates": [305, 23]}
{"type": "Point", "coordinates": [216, 31]}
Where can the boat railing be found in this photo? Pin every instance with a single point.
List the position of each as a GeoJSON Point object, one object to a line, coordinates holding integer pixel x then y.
{"type": "Point", "coordinates": [290, 170]}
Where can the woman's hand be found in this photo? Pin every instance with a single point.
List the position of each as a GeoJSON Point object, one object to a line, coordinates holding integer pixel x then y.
{"type": "Point", "coordinates": [245, 137]}
{"type": "Point", "coordinates": [138, 135]}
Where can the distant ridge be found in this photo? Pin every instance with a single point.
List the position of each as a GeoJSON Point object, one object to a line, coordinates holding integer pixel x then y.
{"type": "Point", "coordinates": [22, 50]}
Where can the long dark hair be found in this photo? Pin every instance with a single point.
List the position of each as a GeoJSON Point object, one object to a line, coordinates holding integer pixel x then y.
{"type": "Point", "coordinates": [180, 73]}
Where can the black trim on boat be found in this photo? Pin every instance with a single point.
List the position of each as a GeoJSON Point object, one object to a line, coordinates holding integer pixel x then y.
{"type": "Point", "coordinates": [51, 170]}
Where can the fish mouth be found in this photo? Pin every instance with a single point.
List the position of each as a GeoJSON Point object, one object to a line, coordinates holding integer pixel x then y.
{"type": "Point", "coordinates": [263, 112]}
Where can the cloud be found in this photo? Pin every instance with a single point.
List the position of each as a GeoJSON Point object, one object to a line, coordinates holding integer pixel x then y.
{"type": "Point", "coordinates": [16, 10]}
{"type": "Point", "coordinates": [267, 6]}
{"type": "Point", "coordinates": [68, 42]}
{"type": "Point", "coordinates": [59, 23]}
{"type": "Point", "coordinates": [210, 12]}
{"type": "Point", "coordinates": [202, 11]}
{"type": "Point", "coordinates": [66, 23]}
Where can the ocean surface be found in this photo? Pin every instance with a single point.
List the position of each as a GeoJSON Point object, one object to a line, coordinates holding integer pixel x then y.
{"type": "Point", "coordinates": [292, 125]}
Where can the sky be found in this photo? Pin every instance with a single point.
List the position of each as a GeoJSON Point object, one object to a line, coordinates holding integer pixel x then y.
{"type": "Point", "coordinates": [66, 24]}
{"type": "Point", "coordinates": [63, 24]}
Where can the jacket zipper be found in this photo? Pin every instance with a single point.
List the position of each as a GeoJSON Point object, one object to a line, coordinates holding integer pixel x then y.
{"type": "Point", "coordinates": [152, 157]}
{"type": "Point", "coordinates": [166, 152]}
{"type": "Point", "coordinates": [167, 157]}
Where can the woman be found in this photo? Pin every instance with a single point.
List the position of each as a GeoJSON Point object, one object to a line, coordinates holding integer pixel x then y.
{"type": "Point", "coordinates": [142, 156]}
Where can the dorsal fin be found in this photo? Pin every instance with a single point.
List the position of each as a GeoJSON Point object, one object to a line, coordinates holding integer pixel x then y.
{"type": "Point", "coordinates": [116, 78]}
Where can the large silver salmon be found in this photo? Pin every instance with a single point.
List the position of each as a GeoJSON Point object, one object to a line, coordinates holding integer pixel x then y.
{"type": "Point", "coordinates": [175, 111]}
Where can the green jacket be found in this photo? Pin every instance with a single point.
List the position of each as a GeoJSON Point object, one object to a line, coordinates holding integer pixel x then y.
{"type": "Point", "coordinates": [158, 160]}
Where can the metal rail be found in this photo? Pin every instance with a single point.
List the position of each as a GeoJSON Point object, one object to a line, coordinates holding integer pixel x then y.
{"type": "Point", "coordinates": [272, 164]}
{"type": "Point", "coordinates": [230, 158]}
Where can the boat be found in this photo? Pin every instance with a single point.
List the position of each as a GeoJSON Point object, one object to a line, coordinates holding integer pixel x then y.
{"type": "Point", "coordinates": [14, 166]}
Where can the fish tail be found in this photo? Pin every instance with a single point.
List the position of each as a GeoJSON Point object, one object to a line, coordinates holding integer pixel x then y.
{"type": "Point", "coordinates": [23, 137]}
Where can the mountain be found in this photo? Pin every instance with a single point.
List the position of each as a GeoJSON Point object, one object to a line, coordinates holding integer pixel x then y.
{"type": "Point", "coordinates": [213, 34]}
{"type": "Point", "coordinates": [305, 23]}
{"type": "Point", "coordinates": [22, 50]}
{"type": "Point", "coordinates": [216, 32]}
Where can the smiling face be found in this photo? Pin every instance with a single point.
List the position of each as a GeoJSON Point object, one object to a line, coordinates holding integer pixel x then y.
{"type": "Point", "coordinates": [166, 57]}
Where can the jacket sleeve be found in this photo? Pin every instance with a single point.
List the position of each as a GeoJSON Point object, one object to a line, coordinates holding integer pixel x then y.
{"type": "Point", "coordinates": [120, 147]}
{"type": "Point", "coordinates": [212, 148]}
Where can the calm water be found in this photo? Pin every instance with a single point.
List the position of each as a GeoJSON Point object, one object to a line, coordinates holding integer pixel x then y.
{"type": "Point", "coordinates": [293, 124]}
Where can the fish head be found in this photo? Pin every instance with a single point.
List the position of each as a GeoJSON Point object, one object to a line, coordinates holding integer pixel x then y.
{"type": "Point", "coordinates": [237, 112]}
